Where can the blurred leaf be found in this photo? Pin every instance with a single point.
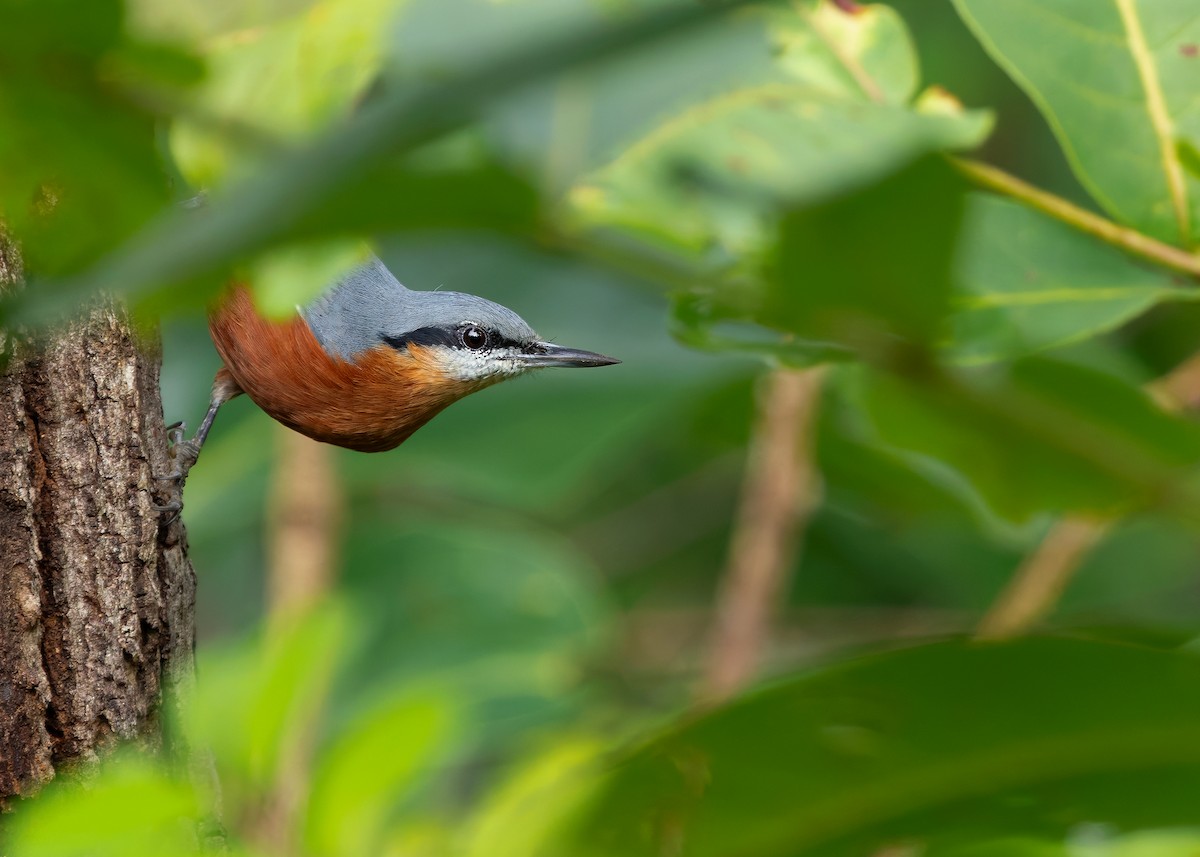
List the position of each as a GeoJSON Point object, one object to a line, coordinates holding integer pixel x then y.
{"type": "Point", "coordinates": [531, 808]}
{"type": "Point", "coordinates": [868, 53]}
{"type": "Point", "coordinates": [827, 285]}
{"type": "Point", "coordinates": [507, 623]}
{"type": "Point", "coordinates": [255, 700]}
{"type": "Point", "coordinates": [372, 764]}
{"type": "Point", "coordinates": [131, 808]}
{"type": "Point", "coordinates": [180, 248]}
{"type": "Point", "coordinates": [196, 20]}
{"type": "Point", "coordinates": [826, 297]}
{"type": "Point", "coordinates": [706, 178]}
{"type": "Point", "coordinates": [1148, 843]}
{"type": "Point", "coordinates": [1041, 436]}
{"type": "Point", "coordinates": [1117, 82]}
{"type": "Point", "coordinates": [288, 77]}
{"type": "Point", "coordinates": [1012, 846]}
{"type": "Point", "coordinates": [709, 179]}
{"type": "Point", "coordinates": [78, 153]}
{"type": "Point", "coordinates": [1028, 283]}
{"type": "Point", "coordinates": [926, 745]}
{"type": "Point", "coordinates": [291, 276]}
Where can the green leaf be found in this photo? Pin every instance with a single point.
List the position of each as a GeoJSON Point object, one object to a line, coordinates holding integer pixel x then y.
{"type": "Point", "coordinates": [826, 285]}
{"type": "Point", "coordinates": [1040, 436]}
{"type": "Point", "coordinates": [78, 156]}
{"type": "Point", "coordinates": [1027, 282]}
{"type": "Point", "coordinates": [868, 54]}
{"type": "Point", "coordinates": [946, 743]}
{"type": "Point", "coordinates": [286, 79]}
{"type": "Point", "coordinates": [198, 20]}
{"type": "Point", "coordinates": [258, 698]}
{"type": "Point", "coordinates": [823, 297]}
{"type": "Point", "coordinates": [259, 211]}
{"type": "Point", "coordinates": [1117, 83]}
{"type": "Point", "coordinates": [130, 808]}
{"type": "Point", "coordinates": [368, 768]}
{"type": "Point", "coordinates": [706, 179]}
{"type": "Point", "coordinates": [711, 179]}
{"type": "Point", "coordinates": [535, 804]}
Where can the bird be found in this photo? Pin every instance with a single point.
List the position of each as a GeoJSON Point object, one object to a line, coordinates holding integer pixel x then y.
{"type": "Point", "coordinates": [367, 363]}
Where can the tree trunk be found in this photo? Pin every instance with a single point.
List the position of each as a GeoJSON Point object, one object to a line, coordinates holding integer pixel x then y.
{"type": "Point", "coordinates": [96, 594]}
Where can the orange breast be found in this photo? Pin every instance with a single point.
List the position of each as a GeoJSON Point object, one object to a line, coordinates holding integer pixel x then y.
{"type": "Point", "coordinates": [371, 404]}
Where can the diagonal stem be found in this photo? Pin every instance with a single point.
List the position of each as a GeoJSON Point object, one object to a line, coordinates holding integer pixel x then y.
{"type": "Point", "coordinates": [1045, 573]}
{"type": "Point", "coordinates": [781, 489]}
{"type": "Point", "coordinates": [1129, 240]}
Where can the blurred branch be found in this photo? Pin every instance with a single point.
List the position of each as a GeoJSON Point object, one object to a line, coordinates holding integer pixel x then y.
{"type": "Point", "coordinates": [1042, 578]}
{"type": "Point", "coordinates": [304, 519]}
{"type": "Point", "coordinates": [1045, 573]}
{"type": "Point", "coordinates": [781, 488]}
{"type": "Point", "coordinates": [1129, 240]}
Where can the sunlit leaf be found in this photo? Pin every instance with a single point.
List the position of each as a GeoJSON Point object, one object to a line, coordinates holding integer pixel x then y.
{"type": "Point", "coordinates": [283, 79]}
{"type": "Point", "coordinates": [130, 808]}
{"type": "Point", "coordinates": [368, 768]}
{"type": "Point", "coordinates": [704, 181]}
{"type": "Point", "coordinates": [865, 54]}
{"type": "Point", "coordinates": [258, 698]}
{"type": "Point", "coordinates": [532, 807]}
{"type": "Point", "coordinates": [1117, 82]}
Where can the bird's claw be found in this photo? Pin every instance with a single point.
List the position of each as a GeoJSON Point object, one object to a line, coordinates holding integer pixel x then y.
{"type": "Point", "coordinates": [176, 432]}
{"type": "Point", "coordinates": [183, 454]}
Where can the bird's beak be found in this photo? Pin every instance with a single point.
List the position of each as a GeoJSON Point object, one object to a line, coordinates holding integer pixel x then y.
{"type": "Point", "coordinates": [545, 354]}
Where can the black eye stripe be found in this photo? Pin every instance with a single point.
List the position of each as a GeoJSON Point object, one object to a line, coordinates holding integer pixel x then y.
{"type": "Point", "coordinates": [442, 336]}
{"type": "Point", "coordinates": [422, 336]}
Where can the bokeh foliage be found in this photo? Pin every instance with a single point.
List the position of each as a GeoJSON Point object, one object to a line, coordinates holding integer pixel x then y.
{"type": "Point", "coordinates": [526, 583]}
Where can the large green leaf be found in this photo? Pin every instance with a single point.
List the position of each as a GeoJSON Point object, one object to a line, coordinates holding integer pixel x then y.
{"type": "Point", "coordinates": [951, 742]}
{"type": "Point", "coordinates": [1117, 81]}
{"type": "Point", "coordinates": [823, 286]}
{"type": "Point", "coordinates": [1027, 282]}
{"type": "Point", "coordinates": [706, 179]}
{"type": "Point", "coordinates": [822, 297]}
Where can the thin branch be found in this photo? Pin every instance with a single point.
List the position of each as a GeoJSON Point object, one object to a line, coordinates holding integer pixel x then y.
{"type": "Point", "coordinates": [781, 489]}
{"type": "Point", "coordinates": [1129, 240]}
{"type": "Point", "coordinates": [304, 523]}
{"type": "Point", "coordinates": [1043, 577]}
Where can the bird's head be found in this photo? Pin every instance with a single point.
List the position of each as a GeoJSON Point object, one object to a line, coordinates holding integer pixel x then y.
{"type": "Point", "coordinates": [458, 339]}
{"type": "Point", "coordinates": [474, 341]}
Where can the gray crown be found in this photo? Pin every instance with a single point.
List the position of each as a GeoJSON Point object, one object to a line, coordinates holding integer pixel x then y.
{"type": "Point", "coordinates": [369, 303]}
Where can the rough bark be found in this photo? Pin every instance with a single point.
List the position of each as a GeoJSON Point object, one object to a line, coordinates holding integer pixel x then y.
{"type": "Point", "coordinates": [96, 596]}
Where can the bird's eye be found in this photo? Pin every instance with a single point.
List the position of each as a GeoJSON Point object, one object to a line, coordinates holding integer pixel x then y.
{"type": "Point", "coordinates": [473, 337]}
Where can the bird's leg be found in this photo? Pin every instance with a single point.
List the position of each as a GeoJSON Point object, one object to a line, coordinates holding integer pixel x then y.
{"type": "Point", "coordinates": [185, 452]}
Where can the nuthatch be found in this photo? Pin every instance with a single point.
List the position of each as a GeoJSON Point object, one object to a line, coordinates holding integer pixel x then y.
{"type": "Point", "coordinates": [368, 363]}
